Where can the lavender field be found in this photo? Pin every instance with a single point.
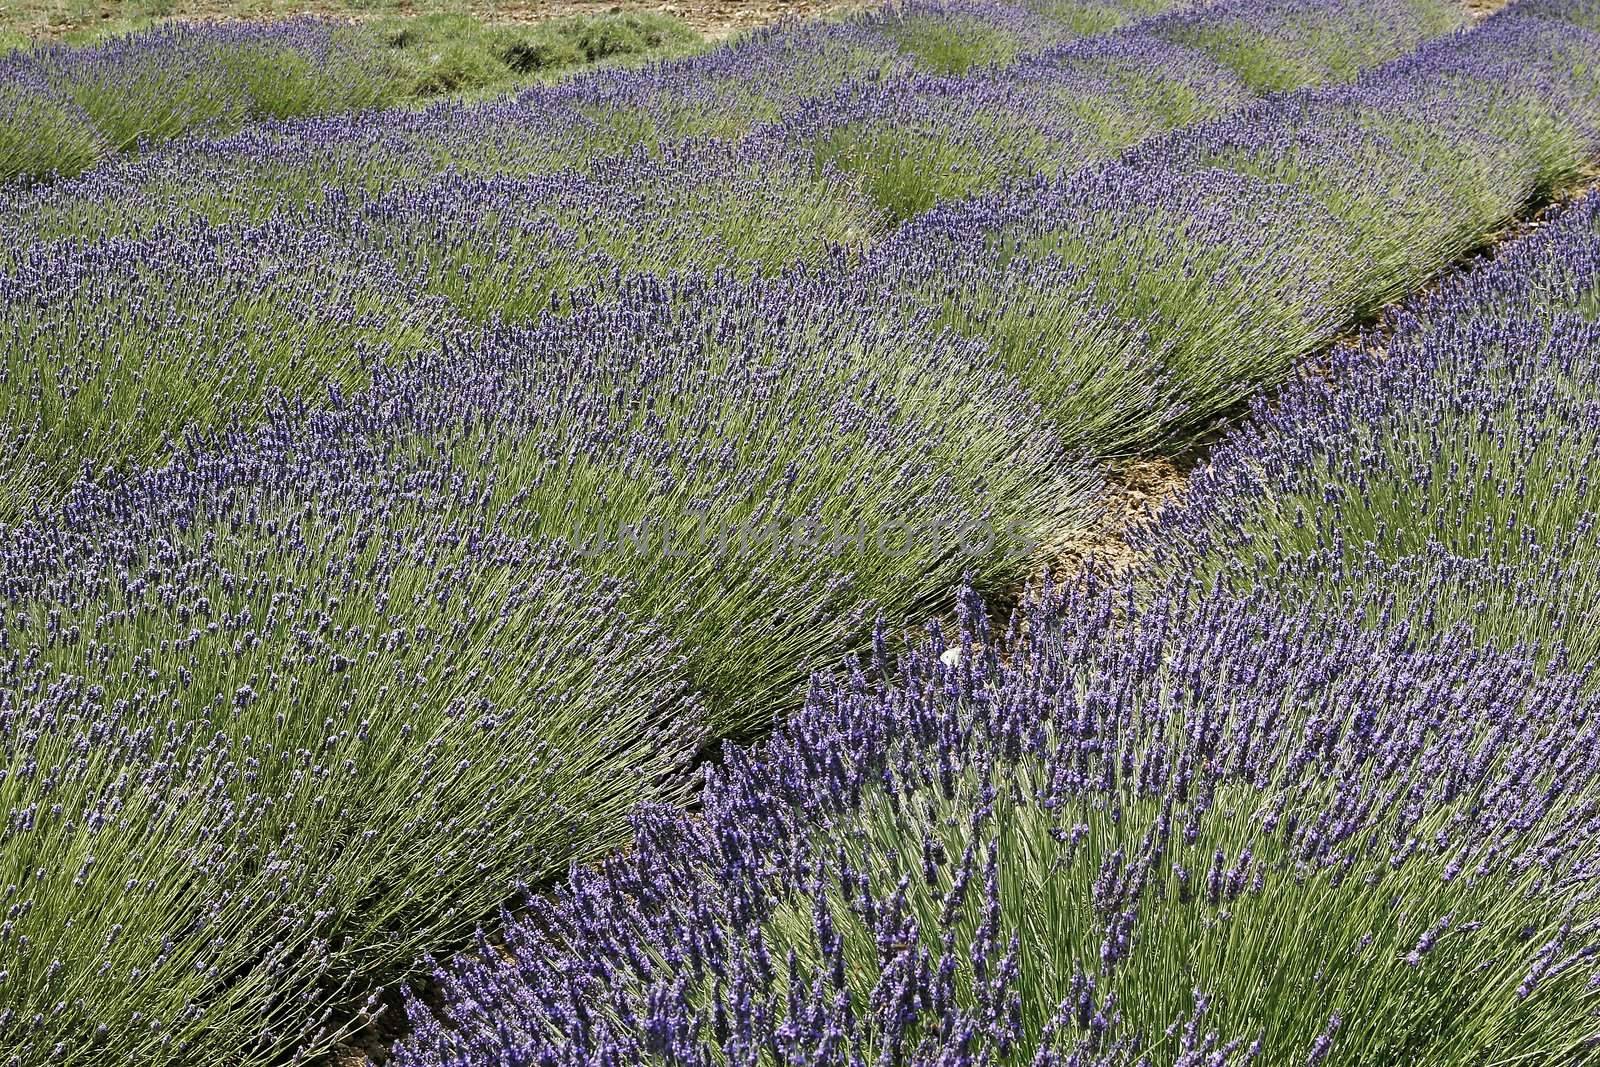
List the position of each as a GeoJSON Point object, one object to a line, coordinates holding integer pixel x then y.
{"type": "Point", "coordinates": [617, 572]}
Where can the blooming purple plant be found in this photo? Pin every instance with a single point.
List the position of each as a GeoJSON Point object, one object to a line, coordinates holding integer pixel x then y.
{"type": "Point", "coordinates": [718, 95]}
{"type": "Point", "coordinates": [1196, 833]}
{"type": "Point", "coordinates": [1127, 298]}
{"type": "Point", "coordinates": [149, 87]}
{"type": "Point", "coordinates": [544, 489]}
{"type": "Point", "coordinates": [1206, 264]}
{"type": "Point", "coordinates": [1443, 476]}
{"type": "Point", "coordinates": [920, 140]}
{"type": "Point", "coordinates": [119, 347]}
{"type": "Point", "coordinates": [284, 715]}
{"type": "Point", "coordinates": [233, 326]}
{"type": "Point", "coordinates": [1583, 13]}
{"type": "Point", "coordinates": [283, 726]}
{"type": "Point", "coordinates": [1291, 44]}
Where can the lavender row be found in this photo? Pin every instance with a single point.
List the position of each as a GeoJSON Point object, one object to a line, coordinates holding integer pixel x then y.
{"type": "Point", "coordinates": [96, 383]}
{"type": "Point", "coordinates": [114, 351]}
{"type": "Point", "coordinates": [919, 140]}
{"type": "Point", "coordinates": [76, 106]}
{"type": "Point", "coordinates": [1142, 299]}
{"type": "Point", "coordinates": [925, 870]}
{"type": "Point", "coordinates": [273, 591]}
{"type": "Point", "coordinates": [70, 107]}
{"type": "Point", "coordinates": [833, 92]}
{"type": "Point", "coordinates": [1203, 832]}
{"type": "Point", "coordinates": [283, 718]}
{"type": "Point", "coordinates": [1447, 479]}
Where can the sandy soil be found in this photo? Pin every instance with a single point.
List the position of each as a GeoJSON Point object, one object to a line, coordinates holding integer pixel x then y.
{"type": "Point", "coordinates": [1133, 492]}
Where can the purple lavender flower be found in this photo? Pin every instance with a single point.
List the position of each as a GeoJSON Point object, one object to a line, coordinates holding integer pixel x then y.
{"type": "Point", "coordinates": [1250, 713]}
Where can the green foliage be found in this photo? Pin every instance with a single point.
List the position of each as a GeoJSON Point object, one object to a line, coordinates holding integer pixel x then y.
{"type": "Point", "coordinates": [1263, 64]}
{"type": "Point", "coordinates": [907, 171]}
{"type": "Point", "coordinates": [1087, 19]}
{"type": "Point", "coordinates": [951, 44]}
{"type": "Point", "coordinates": [348, 735]}
{"type": "Point", "coordinates": [41, 136]}
{"type": "Point", "coordinates": [1097, 380]}
{"type": "Point", "coordinates": [1303, 942]}
{"type": "Point", "coordinates": [458, 53]}
{"type": "Point", "coordinates": [1308, 47]}
{"type": "Point", "coordinates": [93, 373]}
{"type": "Point", "coordinates": [113, 370]}
{"type": "Point", "coordinates": [1220, 314]}
{"type": "Point", "coordinates": [374, 65]}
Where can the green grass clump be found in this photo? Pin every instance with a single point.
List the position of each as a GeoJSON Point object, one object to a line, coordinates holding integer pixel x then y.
{"type": "Point", "coordinates": [457, 53]}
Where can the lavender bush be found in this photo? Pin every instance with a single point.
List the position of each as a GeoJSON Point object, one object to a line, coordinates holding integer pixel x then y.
{"type": "Point", "coordinates": [1446, 479]}
{"type": "Point", "coordinates": [499, 247]}
{"type": "Point", "coordinates": [116, 349]}
{"type": "Point", "coordinates": [950, 36]}
{"type": "Point", "coordinates": [1203, 833]}
{"type": "Point", "coordinates": [720, 94]}
{"type": "Point", "coordinates": [1121, 297]}
{"type": "Point", "coordinates": [1583, 13]}
{"type": "Point", "coordinates": [148, 88]}
{"type": "Point", "coordinates": [1208, 263]}
{"type": "Point", "coordinates": [311, 701]}
{"type": "Point", "coordinates": [114, 352]}
{"type": "Point", "coordinates": [152, 86]}
{"type": "Point", "coordinates": [43, 133]}
{"type": "Point", "coordinates": [548, 491]}
{"type": "Point", "coordinates": [1421, 157]}
{"type": "Point", "coordinates": [1280, 46]}
{"type": "Point", "coordinates": [918, 141]}
{"type": "Point", "coordinates": [283, 725]}
{"type": "Point", "coordinates": [1124, 245]}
